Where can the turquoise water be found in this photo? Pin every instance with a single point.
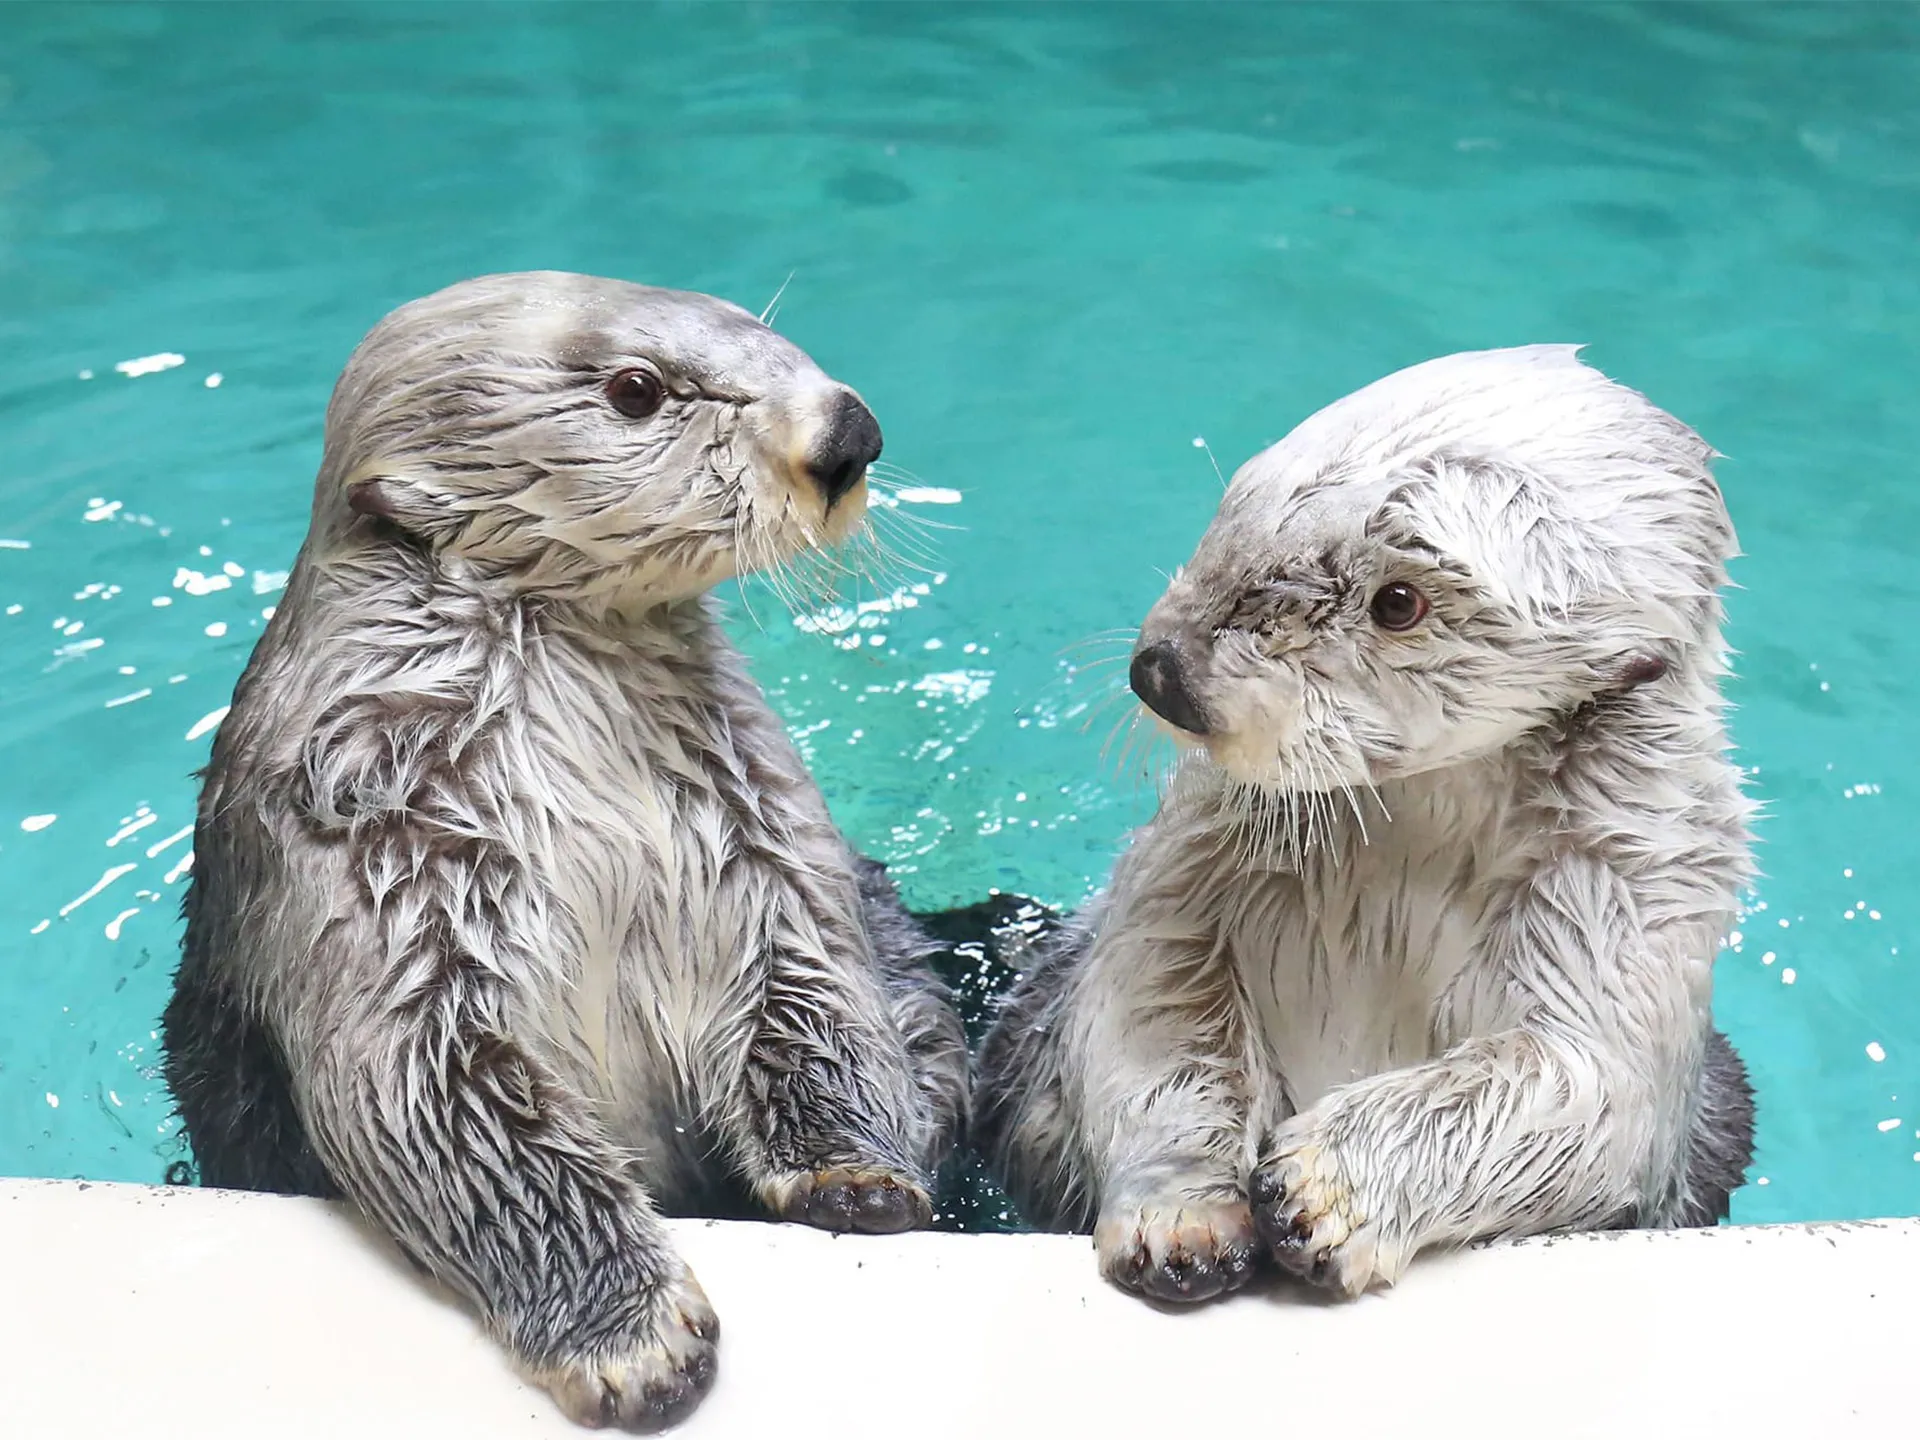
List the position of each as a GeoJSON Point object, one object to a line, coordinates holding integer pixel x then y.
{"type": "Point", "coordinates": [1052, 246]}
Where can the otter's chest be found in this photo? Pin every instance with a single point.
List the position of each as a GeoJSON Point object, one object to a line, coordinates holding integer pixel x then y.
{"type": "Point", "coordinates": [1368, 959]}
{"type": "Point", "coordinates": [640, 819]}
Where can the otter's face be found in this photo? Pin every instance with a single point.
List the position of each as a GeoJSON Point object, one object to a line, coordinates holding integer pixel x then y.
{"type": "Point", "coordinates": [1432, 569]}
{"type": "Point", "coordinates": [587, 439]}
{"type": "Point", "coordinates": [1340, 649]}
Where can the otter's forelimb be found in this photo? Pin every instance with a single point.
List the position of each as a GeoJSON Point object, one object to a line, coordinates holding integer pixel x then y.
{"type": "Point", "coordinates": [1115, 1089]}
{"type": "Point", "coordinates": [839, 1080]}
{"type": "Point", "coordinates": [922, 1009]}
{"type": "Point", "coordinates": [1554, 1123]}
{"type": "Point", "coordinates": [828, 1124]}
{"type": "Point", "coordinates": [431, 1091]}
{"type": "Point", "coordinates": [493, 1177]}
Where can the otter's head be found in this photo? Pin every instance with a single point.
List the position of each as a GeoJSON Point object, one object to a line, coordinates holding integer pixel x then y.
{"type": "Point", "coordinates": [588, 439]}
{"type": "Point", "coordinates": [1435, 566]}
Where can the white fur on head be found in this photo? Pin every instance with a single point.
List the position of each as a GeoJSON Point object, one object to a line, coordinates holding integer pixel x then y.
{"type": "Point", "coordinates": [476, 421]}
{"type": "Point", "coordinates": [1566, 533]}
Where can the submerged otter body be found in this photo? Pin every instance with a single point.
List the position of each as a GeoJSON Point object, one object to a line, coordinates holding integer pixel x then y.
{"type": "Point", "coordinates": [1418, 949]}
{"type": "Point", "coordinates": [515, 916]}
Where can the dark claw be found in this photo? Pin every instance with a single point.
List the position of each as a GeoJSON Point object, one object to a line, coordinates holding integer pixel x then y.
{"type": "Point", "coordinates": [1186, 1277]}
{"type": "Point", "coordinates": [1264, 1188]}
{"type": "Point", "coordinates": [1287, 1237]}
{"type": "Point", "coordinates": [703, 1329]}
{"type": "Point", "coordinates": [1284, 1234]}
{"type": "Point", "coordinates": [1280, 1230]}
{"type": "Point", "coordinates": [1184, 1280]}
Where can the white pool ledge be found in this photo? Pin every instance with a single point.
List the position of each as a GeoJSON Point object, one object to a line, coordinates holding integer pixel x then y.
{"type": "Point", "coordinates": [156, 1313]}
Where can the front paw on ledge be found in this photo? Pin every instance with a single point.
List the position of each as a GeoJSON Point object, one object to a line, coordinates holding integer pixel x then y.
{"type": "Point", "coordinates": [1177, 1251]}
{"type": "Point", "coordinates": [1310, 1220]}
{"type": "Point", "coordinates": [870, 1201]}
{"type": "Point", "coordinates": [651, 1381]}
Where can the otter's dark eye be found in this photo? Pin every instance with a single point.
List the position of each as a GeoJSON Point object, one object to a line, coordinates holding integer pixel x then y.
{"type": "Point", "coordinates": [1397, 607]}
{"type": "Point", "coordinates": [637, 393]}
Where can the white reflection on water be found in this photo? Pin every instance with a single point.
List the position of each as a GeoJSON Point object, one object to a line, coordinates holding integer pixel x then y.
{"type": "Point", "coordinates": [150, 364]}
{"type": "Point", "coordinates": [206, 723]}
{"type": "Point", "coordinates": [114, 872]}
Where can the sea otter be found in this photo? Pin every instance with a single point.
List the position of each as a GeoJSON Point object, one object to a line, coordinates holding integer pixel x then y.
{"type": "Point", "coordinates": [515, 917]}
{"type": "Point", "coordinates": [1419, 947]}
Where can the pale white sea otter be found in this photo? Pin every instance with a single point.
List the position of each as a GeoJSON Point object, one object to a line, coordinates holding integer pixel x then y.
{"type": "Point", "coordinates": [514, 912]}
{"type": "Point", "coordinates": [1419, 947]}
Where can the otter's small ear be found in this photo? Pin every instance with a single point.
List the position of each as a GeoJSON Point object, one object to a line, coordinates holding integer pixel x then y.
{"type": "Point", "coordinates": [1634, 669]}
{"type": "Point", "coordinates": [383, 493]}
{"type": "Point", "coordinates": [374, 497]}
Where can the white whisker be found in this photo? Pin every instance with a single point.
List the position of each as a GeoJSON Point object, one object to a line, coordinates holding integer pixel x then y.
{"type": "Point", "coordinates": [1200, 442]}
{"type": "Point", "coordinates": [773, 306]}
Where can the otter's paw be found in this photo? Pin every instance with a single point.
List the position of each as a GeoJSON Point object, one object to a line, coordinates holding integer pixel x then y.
{"type": "Point", "coordinates": [1178, 1251]}
{"type": "Point", "coordinates": [1311, 1221]}
{"type": "Point", "coordinates": [872, 1202]}
{"type": "Point", "coordinates": [650, 1383]}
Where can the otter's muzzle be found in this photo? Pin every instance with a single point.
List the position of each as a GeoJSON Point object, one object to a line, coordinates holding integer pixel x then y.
{"type": "Point", "coordinates": [1162, 676]}
{"type": "Point", "coordinates": [846, 443]}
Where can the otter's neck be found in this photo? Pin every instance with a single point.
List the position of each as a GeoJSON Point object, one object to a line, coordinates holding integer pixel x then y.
{"type": "Point", "coordinates": [380, 584]}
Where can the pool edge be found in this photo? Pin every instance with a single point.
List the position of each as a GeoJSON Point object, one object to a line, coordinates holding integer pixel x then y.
{"type": "Point", "coordinates": [175, 1311]}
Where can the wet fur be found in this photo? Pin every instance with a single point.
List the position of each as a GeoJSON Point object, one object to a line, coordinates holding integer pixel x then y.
{"type": "Point", "coordinates": [515, 917]}
{"type": "Point", "coordinates": [247, 1134]}
{"type": "Point", "coordinates": [1418, 949]}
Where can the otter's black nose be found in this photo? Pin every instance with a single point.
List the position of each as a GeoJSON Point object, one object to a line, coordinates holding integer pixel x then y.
{"type": "Point", "coordinates": [847, 445]}
{"type": "Point", "coordinates": [1158, 678]}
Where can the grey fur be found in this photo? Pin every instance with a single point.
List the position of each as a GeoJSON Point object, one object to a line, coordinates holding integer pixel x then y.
{"type": "Point", "coordinates": [505, 863]}
{"type": "Point", "coordinates": [1419, 946]}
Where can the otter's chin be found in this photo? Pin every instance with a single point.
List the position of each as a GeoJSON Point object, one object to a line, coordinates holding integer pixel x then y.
{"type": "Point", "coordinates": [1285, 773]}
{"type": "Point", "coordinates": [1185, 739]}
{"type": "Point", "coordinates": [799, 519]}
{"type": "Point", "coordinates": [845, 516]}
{"type": "Point", "coordinates": [1246, 764]}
